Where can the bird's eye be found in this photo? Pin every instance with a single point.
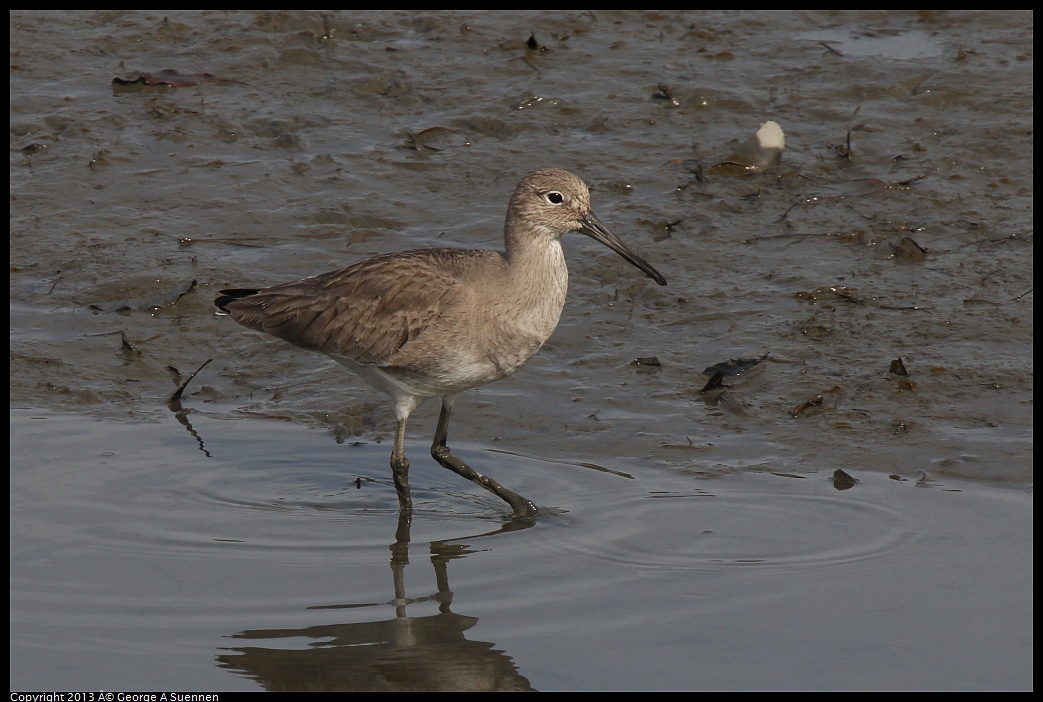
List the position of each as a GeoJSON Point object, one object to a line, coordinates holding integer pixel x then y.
{"type": "Point", "coordinates": [554, 197]}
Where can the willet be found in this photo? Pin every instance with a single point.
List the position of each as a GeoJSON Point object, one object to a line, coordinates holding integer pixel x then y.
{"type": "Point", "coordinates": [435, 322]}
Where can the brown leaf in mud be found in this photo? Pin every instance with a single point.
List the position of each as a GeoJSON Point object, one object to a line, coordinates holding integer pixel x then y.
{"type": "Point", "coordinates": [909, 250]}
{"type": "Point", "coordinates": [733, 366]}
{"type": "Point", "coordinates": [843, 481]}
{"type": "Point", "coordinates": [818, 401]}
{"type": "Point", "coordinates": [531, 44]}
{"type": "Point", "coordinates": [168, 77]}
{"type": "Point", "coordinates": [901, 376]}
{"type": "Point", "coordinates": [715, 391]}
{"type": "Point", "coordinates": [714, 383]}
{"type": "Point", "coordinates": [665, 92]}
{"type": "Point", "coordinates": [827, 293]}
{"type": "Point", "coordinates": [815, 401]}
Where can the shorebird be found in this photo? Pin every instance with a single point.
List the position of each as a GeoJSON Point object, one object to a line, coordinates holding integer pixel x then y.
{"type": "Point", "coordinates": [435, 322]}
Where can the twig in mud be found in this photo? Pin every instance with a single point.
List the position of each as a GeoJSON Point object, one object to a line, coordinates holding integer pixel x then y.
{"type": "Point", "coordinates": [181, 388]}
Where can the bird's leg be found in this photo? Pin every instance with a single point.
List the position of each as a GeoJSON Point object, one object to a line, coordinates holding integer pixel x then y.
{"type": "Point", "coordinates": [400, 467]}
{"type": "Point", "coordinates": [440, 451]}
{"type": "Point", "coordinates": [399, 561]}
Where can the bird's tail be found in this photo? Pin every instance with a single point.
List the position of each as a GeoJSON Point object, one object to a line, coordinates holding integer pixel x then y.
{"type": "Point", "coordinates": [229, 296]}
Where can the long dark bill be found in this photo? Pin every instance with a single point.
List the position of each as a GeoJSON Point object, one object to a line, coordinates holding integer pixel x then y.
{"type": "Point", "coordinates": [593, 228]}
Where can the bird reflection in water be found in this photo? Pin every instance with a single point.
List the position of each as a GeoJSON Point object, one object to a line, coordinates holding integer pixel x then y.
{"type": "Point", "coordinates": [403, 653]}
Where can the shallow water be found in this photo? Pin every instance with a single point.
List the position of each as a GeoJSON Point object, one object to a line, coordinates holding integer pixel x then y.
{"type": "Point", "coordinates": [709, 549]}
{"type": "Point", "coordinates": [250, 567]}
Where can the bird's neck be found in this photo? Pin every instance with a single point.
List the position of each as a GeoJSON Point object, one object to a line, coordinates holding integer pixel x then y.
{"type": "Point", "coordinates": [538, 277]}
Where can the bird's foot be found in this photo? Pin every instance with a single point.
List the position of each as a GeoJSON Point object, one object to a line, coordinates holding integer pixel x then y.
{"type": "Point", "coordinates": [522, 507]}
